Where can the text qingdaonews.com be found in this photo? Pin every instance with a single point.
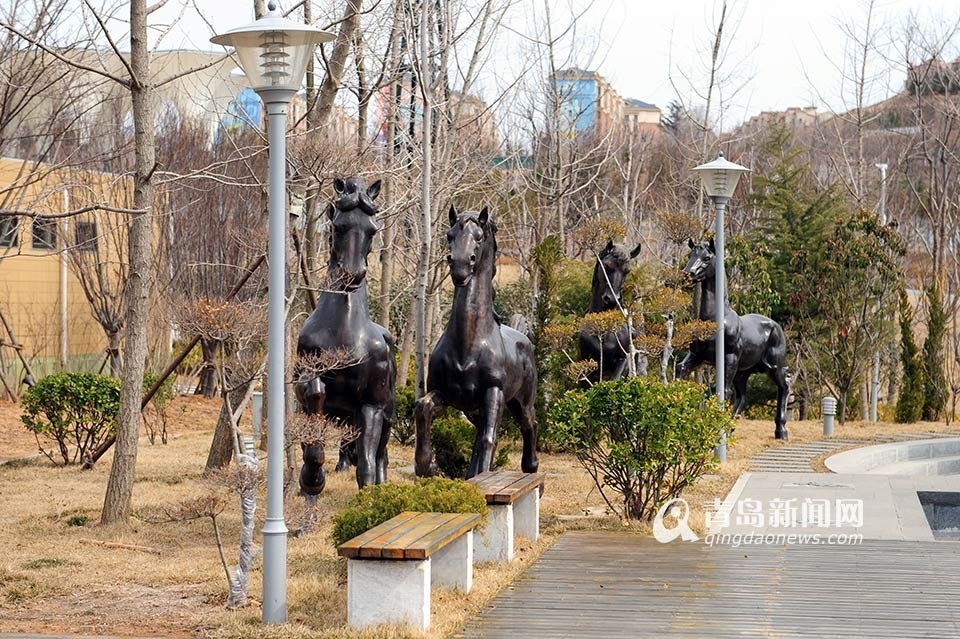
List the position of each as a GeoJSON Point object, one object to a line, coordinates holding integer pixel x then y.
{"type": "Point", "coordinates": [736, 540]}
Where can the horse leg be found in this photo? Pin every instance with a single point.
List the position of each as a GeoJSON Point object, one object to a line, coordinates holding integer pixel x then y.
{"type": "Point", "coordinates": [425, 411]}
{"type": "Point", "coordinates": [368, 444]}
{"type": "Point", "coordinates": [729, 374]}
{"type": "Point", "coordinates": [312, 476]}
{"type": "Point", "coordinates": [740, 392]}
{"type": "Point", "coordinates": [348, 455]}
{"type": "Point", "coordinates": [382, 457]}
{"type": "Point", "coordinates": [686, 365]}
{"type": "Point", "coordinates": [486, 441]}
{"type": "Point", "coordinates": [526, 416]}
{"type": "Point", "coordinates": [779, 377]}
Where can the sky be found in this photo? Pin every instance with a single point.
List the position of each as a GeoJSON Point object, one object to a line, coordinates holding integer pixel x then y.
{"type": "Point", "coordinates": [782, 53]}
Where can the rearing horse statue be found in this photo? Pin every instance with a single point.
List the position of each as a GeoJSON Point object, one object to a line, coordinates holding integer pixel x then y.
{"type": "Point", "coordinates": [610, 350]}
{"type": "Point", "coordinates": [479, 365]}
{"type": "Point", "coordinates": [360, 390]}
{"type": "Point", "coordinates": [752, 343]}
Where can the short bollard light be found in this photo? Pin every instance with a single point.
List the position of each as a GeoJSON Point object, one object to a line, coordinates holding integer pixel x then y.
{"type": "Point", "coordinates": [828, 406]}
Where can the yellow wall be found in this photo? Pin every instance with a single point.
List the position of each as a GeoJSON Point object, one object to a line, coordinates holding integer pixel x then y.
{"type": "Point", "coordinates": [40, 297]}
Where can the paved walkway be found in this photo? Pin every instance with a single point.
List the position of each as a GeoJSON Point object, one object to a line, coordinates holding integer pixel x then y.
{"type": "Point", "coordinates": [863, 563]}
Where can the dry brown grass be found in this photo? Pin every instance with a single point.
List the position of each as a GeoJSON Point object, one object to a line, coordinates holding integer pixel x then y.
{"type": "Point", "coordinates": [56, 577]}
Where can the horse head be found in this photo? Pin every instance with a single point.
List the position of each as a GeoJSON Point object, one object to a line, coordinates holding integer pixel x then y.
{"type": "Point", "coordinates": [352, 229]}
{"type": "Point", "coordinates": [473, 244]}
{"type": "Point", "coordinates": [701, 265]}
{"type": "Point", "coordinates": [613, 266]}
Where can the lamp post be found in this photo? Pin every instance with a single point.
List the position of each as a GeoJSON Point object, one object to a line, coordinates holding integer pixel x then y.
{"type": "Point", "coordinates": [720, 179]}
{"type": "Point", "coordinates": [273, 53]}
{"type": "Point", "coordinates": [875, 375]}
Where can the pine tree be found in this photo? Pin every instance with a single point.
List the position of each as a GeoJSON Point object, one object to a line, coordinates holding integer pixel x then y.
{"type": "Point", "coordinates": [910, 401]}
{"type": "Point", "coordinates": [934, 377]}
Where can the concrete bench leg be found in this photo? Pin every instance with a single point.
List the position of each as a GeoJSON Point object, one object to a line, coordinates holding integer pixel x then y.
{"type": "Point", "coordinates": [384, 591]}
{"type": "Point", "coordinates": [495, 540]}
{"type": "Point", "coordinates": [452, 565]}
{"type": "Point", "coordinates": [526, 515]}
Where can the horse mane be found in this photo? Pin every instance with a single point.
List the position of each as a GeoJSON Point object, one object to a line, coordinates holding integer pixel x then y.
{"type": "Point", "coordinates": [617, 251]}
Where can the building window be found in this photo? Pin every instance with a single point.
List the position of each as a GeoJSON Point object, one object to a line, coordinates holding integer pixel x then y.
{"type": "Point", "coordinates": [85, 236]}
{"type": "Point", "coordinates": [44, 233]}
{"type": "Point", "coordinates": [9, 227]}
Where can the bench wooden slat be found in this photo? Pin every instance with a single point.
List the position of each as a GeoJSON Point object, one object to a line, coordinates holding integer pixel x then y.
{"type": "Point", "coordinates": [409, 535]}
{"type": "Point", "coordinates": [394, 544]}
{"type": "Point", "coordinates": [351, 547]}
{"type": "Point", "coordinates": [505, 487]}
{"type": "Point", "coordinates": [442, 535]}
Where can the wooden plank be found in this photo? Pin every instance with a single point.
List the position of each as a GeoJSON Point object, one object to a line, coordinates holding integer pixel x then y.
{"type": "Point", "coordinates": [409, 535]}
{"type": "Point", "coordinates": [452, 528]}
{"type": "Point", "coordinates": [505, 486]}
{"type": "Point", "coordinates": [395, 544]}
{"type": "Point", "coordinates": [351, 547]}
{"type": "Point", "coordinates": [597, 584]}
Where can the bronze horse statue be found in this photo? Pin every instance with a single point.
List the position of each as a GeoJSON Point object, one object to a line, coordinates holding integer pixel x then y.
{"type": "Point", "coordinates": [479, 365]}
{"type": "Point", "coordinates": [359, 391]}
{"type": "Point", "coordinates": [752, 343]}
{"type": "Point", "coordinates": [612, 349]}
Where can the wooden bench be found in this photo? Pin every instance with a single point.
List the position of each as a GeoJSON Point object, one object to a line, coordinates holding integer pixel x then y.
{"type": "Point", "coordinates": [514, 502]}
{"type": "Point", "coordinates": [391, 567]}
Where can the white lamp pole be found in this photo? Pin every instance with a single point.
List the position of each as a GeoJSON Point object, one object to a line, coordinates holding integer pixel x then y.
{"type": "Point", "coordinates": [720, 179]}
{"type": "Point", "coordinates": [273, 53]}
{"type": "Point", "coordinates": [875, 376]}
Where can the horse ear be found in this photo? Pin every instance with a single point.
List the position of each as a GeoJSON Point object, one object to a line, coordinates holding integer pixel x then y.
{"type": "Point", "coordinates": [608, 246]}
{"type": "Point", "coordinates": [484, 216]}
{"type": "Point", "coordinates": [635, 252]}
{"type": "Point", "coordinates": [690, 242]}
{"type": "Point", "coordinates": [338, 185]}
{"type": "Point", "coordinates": [453, 215]}
{"type": "Point", "coordinates": [712, 246]}
{"type": "Point", "coordinates": [374, 190]}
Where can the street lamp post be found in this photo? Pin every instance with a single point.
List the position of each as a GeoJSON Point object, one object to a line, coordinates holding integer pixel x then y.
{"type": "Point", "coordinates": [720, 179]}
{"type": "Point", "coordinates": [875, 375]}
{"type": "Point", "coordinates": [273, 53]}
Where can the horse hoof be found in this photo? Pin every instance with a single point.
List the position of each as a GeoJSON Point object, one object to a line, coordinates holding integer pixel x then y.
{"type": "Point", "coordinates": [427, 470]}
{"type": "Point", "coordinates": [782, 434]}
{"type": "Point", "coordinates": [530, 467]}
{"type": "Point", "coordinates": [342, 465]}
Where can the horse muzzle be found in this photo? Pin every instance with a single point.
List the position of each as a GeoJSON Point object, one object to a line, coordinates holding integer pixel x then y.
{"type": "Point", "coordinates": [313, 478]}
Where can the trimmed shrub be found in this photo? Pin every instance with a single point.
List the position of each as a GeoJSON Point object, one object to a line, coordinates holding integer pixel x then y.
{"type": "Point", "coordinates": [374, 505]}
{"type": "Point", "coordinates": [453, 438]}
{"type": "Point", "coordinates": [644, 440]}
{"type": "Point", "coordinates": [71, 414]}
{"type": "Point", "coordinates": [404, 426]}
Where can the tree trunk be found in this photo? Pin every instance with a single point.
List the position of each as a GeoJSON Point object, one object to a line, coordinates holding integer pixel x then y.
{"type": "Point", "coordinates": [338, 60]}
{"type": "Point", "coordinates": [426, 224]}
{"type": "Point", "coordinates": [119, 494]}
{"type": "Point", "coordinates": [208, 372]}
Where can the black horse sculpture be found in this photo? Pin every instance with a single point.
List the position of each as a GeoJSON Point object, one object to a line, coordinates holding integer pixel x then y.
{"type": "Point", "coordinates": [479, 365]}
{"type": "Point", "coordinates": [752, 343]}
{"type": "Point", "coordinates": [611, 350]}
{"type": "Point", "coordinates": [360, 390]}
